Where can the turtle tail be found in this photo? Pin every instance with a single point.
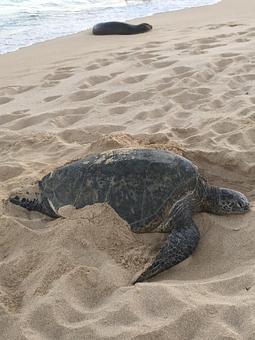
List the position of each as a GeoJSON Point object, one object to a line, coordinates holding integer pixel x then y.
{"type": "Point", "coordinates": [41, 206]}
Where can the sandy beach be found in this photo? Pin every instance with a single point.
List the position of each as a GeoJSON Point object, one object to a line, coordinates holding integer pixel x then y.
{"type": "Point", "coordinates": [187, 86]}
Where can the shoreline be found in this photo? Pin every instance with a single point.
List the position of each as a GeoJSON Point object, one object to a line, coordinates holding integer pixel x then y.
{"type": "Point", "coordinates": [90, 27]}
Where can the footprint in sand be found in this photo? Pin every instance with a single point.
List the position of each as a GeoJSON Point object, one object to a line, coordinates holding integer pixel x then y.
{"type": "Point", "coordinates": [162, 57]}
{"type": "Point", "coordinates": [115, 97]}
{"type": "Point", "coordinates": [57, 76]}
{"type": "Point", "coordinates": [5, 100]}
{"type": "Point", "coordinates": [203, 90]}
{"type": "Point", "coordinates": [66, 121]}
{"type": "Point", "coordinates": [163, 64]}
{"type": "Point", "coordinates": [239, 140]}
{"type": "Point", "coordinates": [17, 89]}
{"type": "Point", "coordinates": [146, 62]}
{"type": "Point", "coordinates": [209, 40]}
{"type": "Point", "coordinates": [188, 100]}
{"type": "Point", "coordinates": [222, 64]}
{"type": "Point", "coordinates": [142, 115]}
{"type": "Point", "coordinates": [197, 51]}
{"type": "Point", "coordinates": [217, 104]}
{"type": "Point", "coordinates": [92, 67]}
{"type": "Point", "coordinates": [115, 74]}
{"type": "Point", "coordinates": [20, 112]}
{"type": "Point", "coordinates": [251, 35]}
{"type": "Point", "coordinates": [104, 62]}
{"type": "Point", "coordinates": [122, 58]}
{"type": "Point", "coordinates": [137, 96]}
{"type": "Point", "coordinates": [224, 126]}
{"type": "Point", "coordinates": [170, 92]}
{"type": "Point", "coordinates": [50, 83]}
{"type": "Point", "coordinates": [164, 86]}
{"type": "Point", "coordinates": [204, 75]}
{"type": "Point", "coordinates": [182, 46]}
{"type": "Point", "coordinates": [118, 110]}
{"type": "Point", "coordinates": [98, 63]}
{"type": "Point", "coordinates": [242, 32]}
{"type": "Point", "coordinates": [60, 73]}
{"type": "Point", "coordinates": [251, 32]}
{"type": "Point", "coordinates": [153, 44]}
{"type": "Point", "coordinates": [166, 80]}
{"type": "Point", "coordinates": [153, 114]}
{"type": "Point", "coordinates": [65, 69]}
{"type": "Point", "coordinates": [242, 40]}
{"type": "Point", "coordinates": [51, 98]}
{"type": "Point", "coordinates": [231, 94]}
{"type": "Point", "coordinates": [244, 78]}
{"type": "Point", "coordinates": [84, 86]}
{"type": "Point", "coordinates": [185, 132]}
{"type": "Point", "coordinates": [121, 55]}
{"type": "Point", "coordinates": [204, 47]}
{"type": "Point", "coordinates": [157, 113]}
{"type": "Point", "coordinates": [147, 55]}
{"type": "Point", "coordinates": [183, 114]}
{"type": "Point", "coordinates": [249, 77]}
{"type": "Point", "coordinates": [182, 69]}
{"type": "Point", "coordinates": [135, 79]}
{"type": "Point", "coordinates": [248, 111]}
{"type": "Point", "coordinates": [4, 119]}
{"type": "Point", "coordinates": [157, 127]}
{"type": "Point", "coordinates": [245, 68]}
{"type": "Point", "coordinates": [97, 79]}
{"type": "Point", "coordinates": [229, 55]}
{"type": "Point", "coordinates": [215, 27]}
{"type": "Point", "coordinates": [85, 95]}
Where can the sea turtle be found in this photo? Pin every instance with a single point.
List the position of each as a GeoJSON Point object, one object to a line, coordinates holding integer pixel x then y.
{"type": "Point", "coordinates": [153, 190]}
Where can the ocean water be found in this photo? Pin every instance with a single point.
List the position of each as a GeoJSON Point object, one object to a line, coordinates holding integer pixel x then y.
{"type": "Point", "coordinates": [24, 22]}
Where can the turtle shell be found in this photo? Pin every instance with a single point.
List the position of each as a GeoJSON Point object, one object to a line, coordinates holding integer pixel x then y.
{"type": "Point", "coordinates": [136, 183]}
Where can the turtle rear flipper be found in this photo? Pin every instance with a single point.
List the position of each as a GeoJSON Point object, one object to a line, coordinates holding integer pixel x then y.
{"type": "Point", "coordinates": [179, 245]}
{"type": "Point", "coordinates": [34, 204]}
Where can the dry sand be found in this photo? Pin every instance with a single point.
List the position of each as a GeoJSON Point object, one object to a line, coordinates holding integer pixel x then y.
{"type": "Point", "coordinates": [189, 85]}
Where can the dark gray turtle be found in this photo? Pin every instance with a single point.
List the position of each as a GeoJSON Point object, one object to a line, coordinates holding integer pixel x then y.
{"type": "Point", "coordinates": [153, 190]}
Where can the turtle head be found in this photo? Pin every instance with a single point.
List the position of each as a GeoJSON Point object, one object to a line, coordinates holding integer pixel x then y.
{"type": "Point", "coordinates": [227, 201]}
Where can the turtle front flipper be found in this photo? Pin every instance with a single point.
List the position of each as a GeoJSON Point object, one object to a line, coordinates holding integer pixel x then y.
{"type": "Point", "coordinates": [45, 206]}
{"type": "Point", "coordinates": [179, 245]}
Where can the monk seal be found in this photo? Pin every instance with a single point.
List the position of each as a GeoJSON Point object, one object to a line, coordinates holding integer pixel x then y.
{"type": "Point", "coordinates": [116, 27]}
